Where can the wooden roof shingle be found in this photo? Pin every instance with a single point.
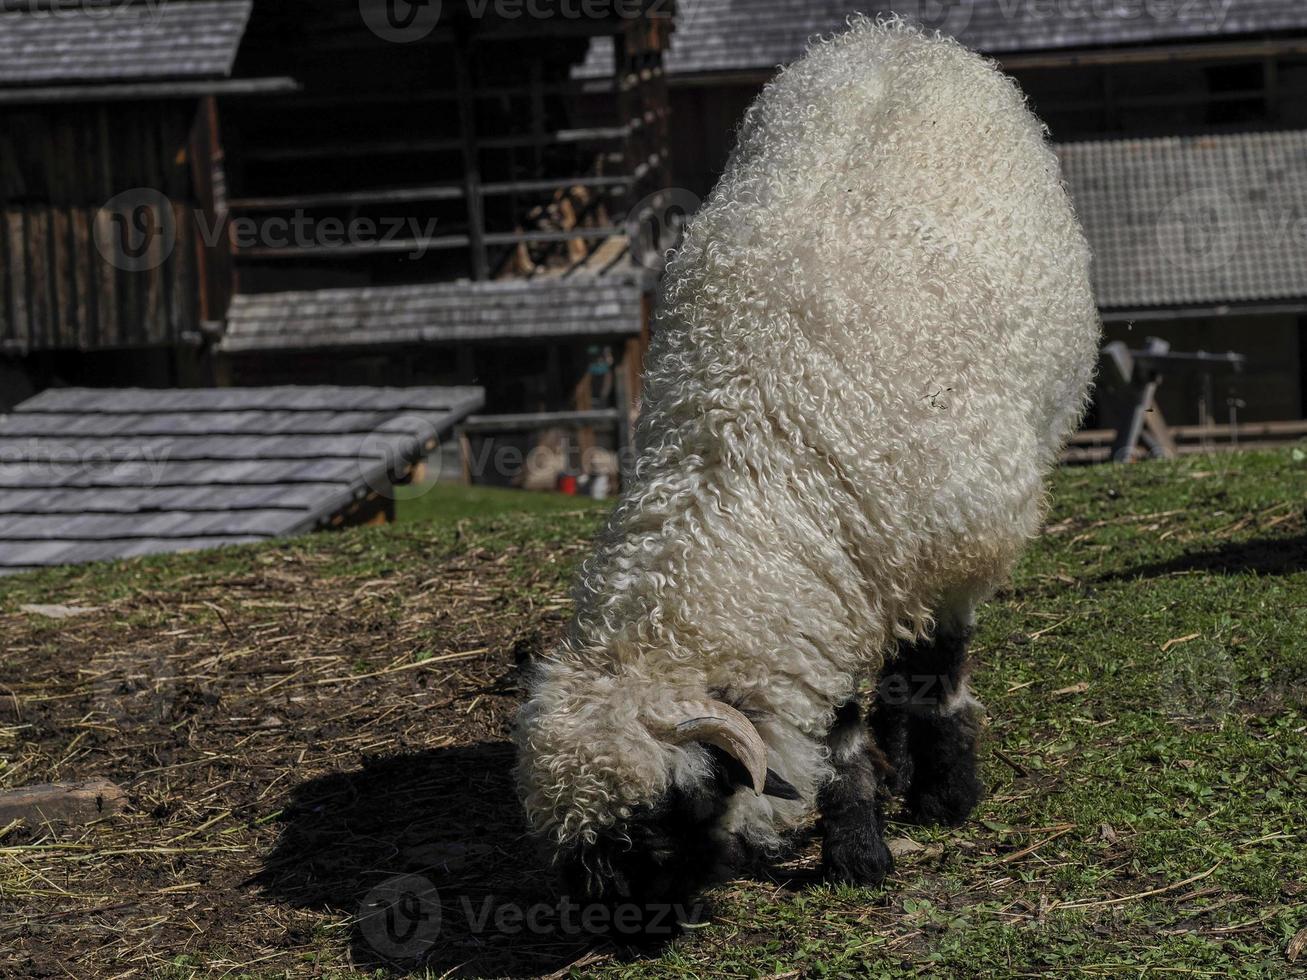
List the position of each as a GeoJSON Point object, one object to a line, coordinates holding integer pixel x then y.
{"type": "Point", "coordinates": [546, 307]}
{"type": "Point", "coordinates": [760, 35]}
{"type": "Point", "coordinates": [87, 474]}
{"type": "Point", "coordinates": [1192, 221]}
{"type": "Point", "coordinates": [57, 41]}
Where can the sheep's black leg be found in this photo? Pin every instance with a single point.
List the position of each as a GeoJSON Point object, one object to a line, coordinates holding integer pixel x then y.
{"type": "Point", "coordinates": [926, 722]}
{"type": "Point", "coordinates": [853, 850]}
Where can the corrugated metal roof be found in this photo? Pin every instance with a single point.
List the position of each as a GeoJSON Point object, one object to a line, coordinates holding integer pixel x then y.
{"type": "Point", "coordinates": [92, 473]}
{"type": "Point", "coordinates": [55, 41]}
{"type": "Point", "coordinates": [1193, 220]}
{"type": "Point", "coordinates": [738, 35]}
{"type": "Point", "coordinates": [546, 307]}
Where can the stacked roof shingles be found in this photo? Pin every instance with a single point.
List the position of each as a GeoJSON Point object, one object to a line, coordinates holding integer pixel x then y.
{"type": "Point", "coordinates": [1192, 221]}
{"type": "Point", "coordinates": [87, 474]}
{"type": "Point", "coordinates": [759, 35]}
{"type": "Point", "coordinates": [45, 42]}
{"type": "Point", "coordinates": [581, 306]}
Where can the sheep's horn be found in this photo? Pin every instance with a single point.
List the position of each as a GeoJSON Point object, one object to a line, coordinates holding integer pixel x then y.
{"type": "Point", "coordinates": [717, 723]}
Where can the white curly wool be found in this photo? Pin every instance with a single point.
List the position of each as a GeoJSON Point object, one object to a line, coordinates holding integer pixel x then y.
{"type": "Point", "coordinates": [872, 345]}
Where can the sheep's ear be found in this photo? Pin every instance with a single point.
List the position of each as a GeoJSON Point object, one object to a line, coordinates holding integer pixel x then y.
{"type": "Point", "coordinates": [734, 775]}
{"type": "Point", "coordinates": [717, 723]}
{"type": "Point", "coordinates": [779, 787]}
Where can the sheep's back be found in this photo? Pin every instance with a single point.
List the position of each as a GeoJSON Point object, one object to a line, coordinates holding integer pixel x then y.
{"type": "Point", "coordinates": [891, 270]}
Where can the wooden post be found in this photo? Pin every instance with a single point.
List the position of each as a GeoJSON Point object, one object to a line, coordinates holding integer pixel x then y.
{"type": "Point", "coordinates": [209, 182]}
{"type": "Point", "coordinates": [476, 230]}
{"type": "Point", "coordinates": [1140, 387]}
{"type": "Point", "coordinates": [583, 401]}
{"type": "Point", "coordinates": [624, 388]}
{"type": "Point", "coordinates": [465, 456]}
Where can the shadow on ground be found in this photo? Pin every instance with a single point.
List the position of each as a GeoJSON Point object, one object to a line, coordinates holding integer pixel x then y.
{"type": "Point", "coordinates": [427, 852]}
{"type": "Point", "coordinates": [1264, 556]}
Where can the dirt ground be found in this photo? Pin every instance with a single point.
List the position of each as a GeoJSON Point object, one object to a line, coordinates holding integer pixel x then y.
{"type": "Point", "coordinates": [285, 753]}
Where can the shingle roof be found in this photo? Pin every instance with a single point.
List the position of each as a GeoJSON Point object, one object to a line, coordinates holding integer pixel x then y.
{"type": "Point", "coordinates": [436, 313]}
{"type": "Point", "coordinates": [56, 41]}
{"type": "Point", "coordinates": [1193, 220]}
{"type": "Point", "coordinates": [736, 35]}
{"type": "Point", "coordinates": [87, 474]}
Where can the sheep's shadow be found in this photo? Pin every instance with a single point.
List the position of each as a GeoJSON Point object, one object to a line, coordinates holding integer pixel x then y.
{"type": "Point", "coordinates": [427, 853]}
{"type": "Point", "coordinates": [1264, 556]}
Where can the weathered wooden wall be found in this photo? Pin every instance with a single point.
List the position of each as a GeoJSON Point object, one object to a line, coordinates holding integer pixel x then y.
{"type": "Point", "coordinates": [59, 165]}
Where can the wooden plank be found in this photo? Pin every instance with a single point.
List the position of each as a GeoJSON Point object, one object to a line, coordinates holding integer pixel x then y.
{"type": "Point", "coordinates": [106, 293]}
{"type": "Point", "coordinates": [44, 332]}
{"type": "Point", "coordinates": [64, 266]}
{"type": "Point", "coordinates": [93, 799]}
{"type": "Point", "coordinates": [16, 237]}
{"type": "Point", "coordinates": [1288, 429]}
{"type": "Point", "coordinates": [84, 284]}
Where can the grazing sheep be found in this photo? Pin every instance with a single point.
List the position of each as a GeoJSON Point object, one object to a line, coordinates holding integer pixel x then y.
{"type": "Point", "coordinates": [875, 338]}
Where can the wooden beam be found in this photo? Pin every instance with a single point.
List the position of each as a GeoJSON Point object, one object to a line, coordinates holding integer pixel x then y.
{"type": "Point", "coordinates": [148, 91]}
{"type": "Point", "coordinates": [345, 250]}
{"type": "Point", "coordinates": [529, 421]}
{"type": "Point", "coordinates": [1019, 60]}
{"type": "Point", "coordinates": [471, 164]}
{"type": "Point", "coordinates": [367, 148]}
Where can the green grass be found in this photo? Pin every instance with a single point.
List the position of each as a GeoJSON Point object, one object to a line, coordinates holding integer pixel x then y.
{"type": "Point", "coordinates": [450, 501]}
{"type": "Point", "coordinates": [1146, 680]}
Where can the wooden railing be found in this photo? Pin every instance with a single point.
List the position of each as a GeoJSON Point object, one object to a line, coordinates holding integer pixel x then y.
{"type": "Point", "coordinates": [1095, 445]}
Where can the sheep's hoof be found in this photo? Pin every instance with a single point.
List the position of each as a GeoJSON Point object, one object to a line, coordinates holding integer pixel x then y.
{"type": "Point", "coordinates": [945, 799]}
{"type": "Point", "coordinates": [855, 855]}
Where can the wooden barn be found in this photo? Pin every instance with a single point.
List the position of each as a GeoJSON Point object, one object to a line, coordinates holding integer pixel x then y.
{"type": "Point", "coordinates": [1182, 130]}
{"type": "Point", "coordinates": [112, 104]}
{"type": "Point", "coordinates": [240, 192]}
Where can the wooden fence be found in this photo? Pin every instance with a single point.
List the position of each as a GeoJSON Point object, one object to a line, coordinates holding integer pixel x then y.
{"type": "Point", "coordinates": [1095, 445]}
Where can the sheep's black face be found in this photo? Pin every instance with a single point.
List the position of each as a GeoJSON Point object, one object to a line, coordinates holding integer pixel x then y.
{"type": "Point", "coordinates": [649, 869]}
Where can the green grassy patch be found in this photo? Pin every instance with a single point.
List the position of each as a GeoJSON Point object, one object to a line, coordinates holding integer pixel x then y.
{"type": "Point", "coordinates": [453, 501]}
{"type": "Point", "coordinates": [1145, 675]}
